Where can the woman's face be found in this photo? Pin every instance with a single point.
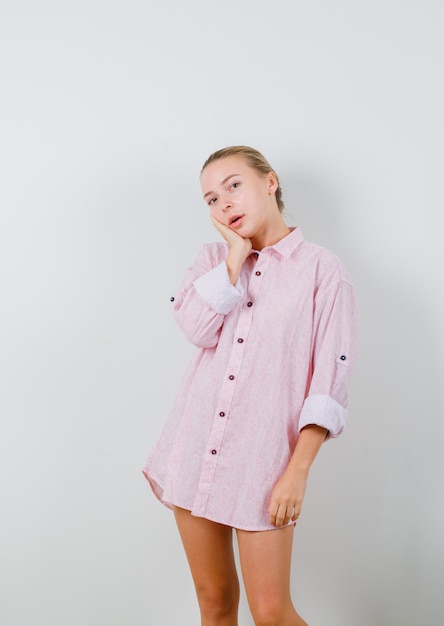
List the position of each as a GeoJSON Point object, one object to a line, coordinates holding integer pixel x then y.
{"type": "Point", "coordinates": [238, 195]}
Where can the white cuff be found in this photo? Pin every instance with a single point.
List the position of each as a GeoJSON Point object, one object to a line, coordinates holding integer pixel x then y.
{"type": "Point", "coordinates": [323, 411]}
{"type": "Point", "coordinates": [215, 289]}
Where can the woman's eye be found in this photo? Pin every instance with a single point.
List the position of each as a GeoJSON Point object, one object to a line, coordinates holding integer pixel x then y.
{"type": "Point", "coordinates": [212, 201]}
{"type": "Point", "coordinates": [235, 185]}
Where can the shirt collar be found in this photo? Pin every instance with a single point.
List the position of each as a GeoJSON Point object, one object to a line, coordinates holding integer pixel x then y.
{"type": "Point", "coordinates": [287, 244]}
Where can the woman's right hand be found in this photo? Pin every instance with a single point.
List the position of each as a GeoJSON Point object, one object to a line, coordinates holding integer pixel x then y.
{"type": "Point", "coordinates": [240, 248]}
{"type": "Point", "coordinates": [233, 239]}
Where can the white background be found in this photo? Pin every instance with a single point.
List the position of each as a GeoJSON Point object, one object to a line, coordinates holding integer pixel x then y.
{"type": "Point", "coordinates": [108, 110]}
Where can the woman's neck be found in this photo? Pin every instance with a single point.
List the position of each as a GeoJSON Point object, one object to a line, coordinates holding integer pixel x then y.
{"type": "Point", "coordinates": [270, 235]}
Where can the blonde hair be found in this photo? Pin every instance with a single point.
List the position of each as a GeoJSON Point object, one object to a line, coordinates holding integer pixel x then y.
{"type": "Point", "coordinates": [254, 159]}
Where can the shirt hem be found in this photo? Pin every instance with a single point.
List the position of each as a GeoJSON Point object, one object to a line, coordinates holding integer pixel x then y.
{"type": "Point", "coordinates": [157, 490]}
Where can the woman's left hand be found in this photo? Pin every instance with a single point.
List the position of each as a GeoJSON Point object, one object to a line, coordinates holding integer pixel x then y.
{"type": "Point", "coordinates": [286, 498]}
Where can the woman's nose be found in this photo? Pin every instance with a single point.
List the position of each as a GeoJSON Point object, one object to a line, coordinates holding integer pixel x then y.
{"type": "Point", "coordinates": [226, 204]}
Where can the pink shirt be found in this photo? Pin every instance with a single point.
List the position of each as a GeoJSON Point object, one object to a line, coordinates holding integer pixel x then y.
{"type": "Point", "coordinates": [274, 353]}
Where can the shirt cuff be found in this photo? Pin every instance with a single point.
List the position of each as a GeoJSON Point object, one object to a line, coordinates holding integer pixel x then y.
{"type": "Point", "coordinates": [215, 289]}
{"type": "Point", "coordinates": [323, 411]}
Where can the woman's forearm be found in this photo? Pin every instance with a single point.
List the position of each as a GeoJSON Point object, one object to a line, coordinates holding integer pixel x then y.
{"type": "Point", "coordinates": [288, 493]}
{"type": "Point", "coordinates": [310, 440]}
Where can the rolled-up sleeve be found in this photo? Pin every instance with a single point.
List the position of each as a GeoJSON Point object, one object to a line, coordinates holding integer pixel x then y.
{"type": "Point", "coordinates": [335, 331]}
{"type": "Point", "coordinates": [205, 297]}
{"type": "Point", "coordinates": [215, 289]}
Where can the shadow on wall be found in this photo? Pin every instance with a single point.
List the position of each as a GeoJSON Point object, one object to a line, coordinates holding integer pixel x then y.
{"type": "Point", "coordinates": [387, 511]}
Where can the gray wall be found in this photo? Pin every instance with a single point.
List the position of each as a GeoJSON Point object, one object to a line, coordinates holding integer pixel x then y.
{"type": "Point", "coordinates": [107, 111]}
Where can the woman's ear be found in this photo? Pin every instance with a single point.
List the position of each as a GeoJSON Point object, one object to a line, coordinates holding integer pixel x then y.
{"type": "Point", "coordinates": [272, 183]}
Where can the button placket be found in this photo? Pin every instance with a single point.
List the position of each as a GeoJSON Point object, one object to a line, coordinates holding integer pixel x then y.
{"type": "Point", "coordinates": [257, 276]}
{"type": "Point", "coordinates": [214, 443]}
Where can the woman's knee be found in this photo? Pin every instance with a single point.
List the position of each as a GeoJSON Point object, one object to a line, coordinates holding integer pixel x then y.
{"type": "Point", "coordinates": [267, 613]}
{"type": "Point", "coordinates": [274, 611]}
{"type": "Point", "coordinates": [218, 601]}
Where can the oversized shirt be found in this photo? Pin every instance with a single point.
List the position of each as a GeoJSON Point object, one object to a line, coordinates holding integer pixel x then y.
{"type": "Point", "coordinates": [273, 354]}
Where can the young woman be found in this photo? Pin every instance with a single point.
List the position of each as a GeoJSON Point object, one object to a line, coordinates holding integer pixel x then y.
{"type": "Point", "coordinates": [274, 320]}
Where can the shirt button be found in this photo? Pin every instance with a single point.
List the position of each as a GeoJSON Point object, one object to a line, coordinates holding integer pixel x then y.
{"type": "Point", "coordinates": [240, 340]}
{"type": "Point", "coordinates": [231, 377]}
{"type": "Point", "coordinates": [258, 273]}
{"type": "Point", "coordinates": [343, 357]}
{"type": "Point", "coordinates": [172, 299]}
{"type": "Point", "coordinates": [222, 414]}
{"type": "Point", "coordinates": [249, 304]}
{"type": "Point", "coordinates": [256, 254]}
{"type": "Point", "coordinates": [213, 451]}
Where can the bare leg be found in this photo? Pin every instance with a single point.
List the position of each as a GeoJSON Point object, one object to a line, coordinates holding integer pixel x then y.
{"type": "Point", "coordinates": [266, 564]}
{"type": "Point", "coordinates": [209, 550]}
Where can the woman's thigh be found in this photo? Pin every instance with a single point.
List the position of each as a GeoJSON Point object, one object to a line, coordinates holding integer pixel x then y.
{"type": "Point", "coordinates": [265, 559]}
{"type": "Point", "coordinates": [209, 550]}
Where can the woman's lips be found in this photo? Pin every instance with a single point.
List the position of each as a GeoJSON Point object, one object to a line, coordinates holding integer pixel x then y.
{"type": "Point", "coordinates": [236, 221]}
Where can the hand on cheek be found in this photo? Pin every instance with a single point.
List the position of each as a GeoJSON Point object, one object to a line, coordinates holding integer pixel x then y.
{"type": "Point", "coordinates": [231, 236]}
